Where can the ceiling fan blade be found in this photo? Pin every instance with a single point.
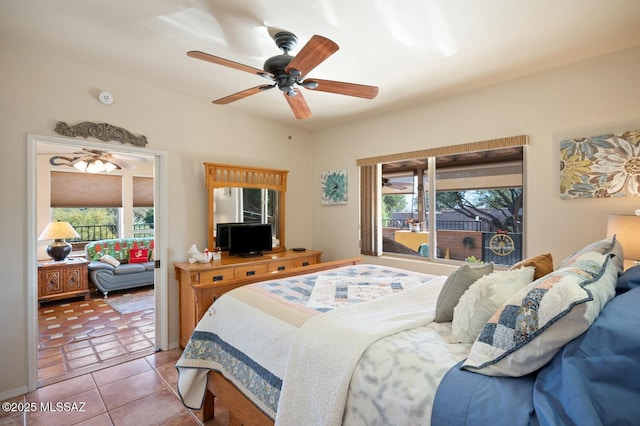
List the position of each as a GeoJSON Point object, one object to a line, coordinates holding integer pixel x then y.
{"type": "Point", "coordinates": [298, 105]}
{"type": "Point", "coordinates": [242, 94]}
{"type": "Point", "coordinates": [341, 88]}
{"type": "Point", "coordinates": [228, 63]}
{"type": "Point", "coordinates": [312, 54]}
{"type": "Point", "coordinates": [123, 157]}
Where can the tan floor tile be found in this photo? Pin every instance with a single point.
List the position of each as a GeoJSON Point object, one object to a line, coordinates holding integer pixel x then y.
{"type": "Point", "coordinates": [184, 419]}
{"type": "Point", "coordinates": [139, 346]}
{"type": "Point", "coordinates": [79, 353]}
{"type": "Point", "coordinates": [118, 372]}
{"type": "Point", "coordinates": [164, 357]}
{"type": "Point", "coordinates": [100, 420]}
{"type": "Point", "coordinates": [62, 389]}
{"type": "Point", "coordinates": [82, 362]}
{"type": "Point", "coordinates": [157, 408]}
{"type": "Point", "coordinates": [113, 353]}
{"type": "Point", "coordinates": [168, 373]}
{"type": "Point", "coordinates": [80, 407]}
{"type": "Point", "coordinates": [125, 391]}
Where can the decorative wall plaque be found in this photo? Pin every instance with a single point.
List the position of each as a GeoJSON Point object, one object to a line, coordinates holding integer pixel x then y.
{"type": "Point", "coordinates": [103, 131]}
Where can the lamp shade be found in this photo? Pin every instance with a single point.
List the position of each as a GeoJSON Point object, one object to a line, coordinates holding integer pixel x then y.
{"type": "Point", "coordinates": [626, 228]}
{"type": "Point", "coordinates": [58, 231]}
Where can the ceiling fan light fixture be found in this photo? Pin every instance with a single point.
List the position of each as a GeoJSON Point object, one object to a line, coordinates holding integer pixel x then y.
{"type": "Point", "coordinates": [80, 165]}
{"type": "Point", "coordinates": [109, 167]}
{"type": "Point", "coordinates": [95, 166]}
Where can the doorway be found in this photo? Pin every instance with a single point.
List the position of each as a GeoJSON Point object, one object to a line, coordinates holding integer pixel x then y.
{"type": "Point", "coordinates": [38, 145]}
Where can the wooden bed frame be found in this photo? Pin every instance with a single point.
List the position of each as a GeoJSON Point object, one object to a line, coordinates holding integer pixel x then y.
{"type": "Point", "coordinates": [241, 410]}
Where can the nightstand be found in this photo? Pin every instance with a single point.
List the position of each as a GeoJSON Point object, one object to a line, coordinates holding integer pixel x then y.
{"type": "Point", "coordinates": [62, 280]}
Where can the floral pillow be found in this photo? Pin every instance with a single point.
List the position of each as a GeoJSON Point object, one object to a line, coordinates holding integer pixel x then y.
{"type": "Point", "coordinates": [528, 330]}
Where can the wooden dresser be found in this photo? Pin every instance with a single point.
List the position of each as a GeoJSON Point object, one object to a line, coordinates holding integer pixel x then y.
{"type": "Point", "coordinates": [201, 283]}
{"type": "Point", "coordinates": [62, 280]}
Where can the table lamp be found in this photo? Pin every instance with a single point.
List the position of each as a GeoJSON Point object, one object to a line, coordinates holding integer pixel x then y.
{"type": "Point", "coordinates": [57, 231]}
{"type": "Point", "coordinates": [626, 228]}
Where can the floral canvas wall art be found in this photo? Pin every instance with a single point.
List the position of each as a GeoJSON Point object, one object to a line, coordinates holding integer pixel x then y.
{"type": "Point", "coordinates": [601, 166]}
{"type": "Point", "coordinates": [334, 186]}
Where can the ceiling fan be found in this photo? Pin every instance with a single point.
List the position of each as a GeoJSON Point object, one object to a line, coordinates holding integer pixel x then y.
{"type": "Point", "coordinates": [286, 72]}
{"type": "Point", "coordinates": [95, 161]}
{"type": "Point", "coordinates": [396, 185]}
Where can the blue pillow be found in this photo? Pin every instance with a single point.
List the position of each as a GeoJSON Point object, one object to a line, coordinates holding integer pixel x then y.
{"type": "Point", "coordinates": [628, 280]}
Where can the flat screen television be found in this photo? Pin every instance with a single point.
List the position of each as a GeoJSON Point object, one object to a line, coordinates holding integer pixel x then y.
{"type": "Point", "coordinates": [222, 234]}
{"type": "Point", "coordinates": [250, 239]}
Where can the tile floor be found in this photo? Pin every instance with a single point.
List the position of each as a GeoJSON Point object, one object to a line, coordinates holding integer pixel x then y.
{"type": "Point", "coordinates": [137, 392]}
{"type": "Point", "coordinates": [77, 337]}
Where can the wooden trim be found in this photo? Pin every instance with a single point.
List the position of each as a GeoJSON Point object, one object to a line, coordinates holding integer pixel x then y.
{"type": "Point", "coordinates": [241, 410]}
{"type": "Point", "coordinates": [271, 275]}
{"type": "Point", "coordinates": [510, 141]}
{"type": "Point", "coordinates": [226, 175]}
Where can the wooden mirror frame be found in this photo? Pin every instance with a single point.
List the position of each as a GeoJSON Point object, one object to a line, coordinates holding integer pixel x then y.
{"type": "Point", "coordinates": [226, 176]}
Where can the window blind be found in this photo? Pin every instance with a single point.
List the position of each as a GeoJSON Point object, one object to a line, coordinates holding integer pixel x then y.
{"type": "Point", "coordinates": [142, 191]}
{"type": "Point", "coordinates": [69, 189]}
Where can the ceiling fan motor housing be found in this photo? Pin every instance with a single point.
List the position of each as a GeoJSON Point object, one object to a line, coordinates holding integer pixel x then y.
{"type": "Point", "coordinates": [276, 65]}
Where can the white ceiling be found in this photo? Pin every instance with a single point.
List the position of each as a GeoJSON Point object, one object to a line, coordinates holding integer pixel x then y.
{"type": "Point", "coordinates": [414, 50]}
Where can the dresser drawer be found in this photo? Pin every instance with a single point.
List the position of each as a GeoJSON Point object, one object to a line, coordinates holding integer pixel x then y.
{"type": "Point", "coordinates": [250, 270]}
{"type": "Point", "coordinates": [216, 275]}
{"type": "Point", "coordinates": [280, 265]}
{"type": "Point", "coordinates": [304, 261]}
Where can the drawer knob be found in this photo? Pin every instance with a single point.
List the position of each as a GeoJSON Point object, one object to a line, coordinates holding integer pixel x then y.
{"type": "Point", "coordinates": [218, 278]}
{"type": "Point", "coordinates": [281, 268]}
{"type": "Point", "coordinates": [305, 263]}
{"type": "Point", "coordinates": [250, 273]}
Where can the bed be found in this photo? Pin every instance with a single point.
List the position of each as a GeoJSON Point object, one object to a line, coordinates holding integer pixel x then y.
{"type": "Point", "coordinates": [361, 345]}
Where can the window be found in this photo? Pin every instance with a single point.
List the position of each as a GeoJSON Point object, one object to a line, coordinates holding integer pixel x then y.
{"type": "Point", "coordinates": [462, 203]}
{"type": "Point", "coordinates": [143, 222]}
{"type": "Point", "coordinates": [92, 223]}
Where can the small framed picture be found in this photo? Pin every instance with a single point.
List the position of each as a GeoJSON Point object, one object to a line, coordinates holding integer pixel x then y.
{"type": "Point", "coordinates": [334, 186]}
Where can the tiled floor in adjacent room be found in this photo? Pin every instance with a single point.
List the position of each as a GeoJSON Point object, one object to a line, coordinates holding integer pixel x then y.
{"type": "Point", "coordinates": [138, 392]}
{"type": "Point", "coordinates": [79, 336]}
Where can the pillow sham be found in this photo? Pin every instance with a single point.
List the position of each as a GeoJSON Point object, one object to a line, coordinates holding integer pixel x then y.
{"type": "Point", "coordinates": [138, 255]}
{"type": "Point", "coordinates": [483, 299]}
{"type": "Point", "coordinates": [628, 280]}
{"type": "Point", "coordinates": [597, 251]}
{"type": "Point", "coordinates": [455, 285]}
{"type": "Point", "coordinates": [543, 264]}
{"type": "Point", "coordinates": [528, 330]}
{"type": "Point", "coordinates": [110, 260]}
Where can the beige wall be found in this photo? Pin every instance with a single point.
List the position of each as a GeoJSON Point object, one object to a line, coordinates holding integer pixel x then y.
{"type": "Point", "coordinates": [585, 99]}
{"type": "Point", "coordinates": [38, 90]}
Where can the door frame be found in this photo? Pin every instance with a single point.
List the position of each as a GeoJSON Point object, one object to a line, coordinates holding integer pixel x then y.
{"type": "Point", "coordinates": [160, 241]}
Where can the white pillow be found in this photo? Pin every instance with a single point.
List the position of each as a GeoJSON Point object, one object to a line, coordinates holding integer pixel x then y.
{"type": "Point", "coordinates": [110, 260]}
{"type": "Point", "coordinates": [478, 304]}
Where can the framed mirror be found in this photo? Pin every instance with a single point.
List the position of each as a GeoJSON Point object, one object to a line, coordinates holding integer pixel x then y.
{"type": "Point", "coordinates": [247, 195]}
